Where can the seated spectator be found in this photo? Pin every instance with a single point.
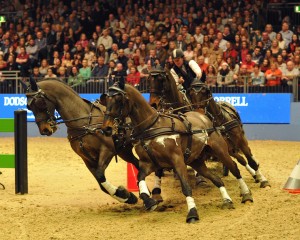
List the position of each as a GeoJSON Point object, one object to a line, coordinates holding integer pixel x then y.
{"type": "Point", "coordinates": [202, 64]}
{"type": "Point", "coordinates": [218, 63]}
{"type": "Point", "coordinates": [293, 44]}
{"type": "Point", "coordinates": [11, 64]}
{"type": "Point", "coordinates": [233, 66]}
{"type": "Point", "coordinates": [248, 62]}
{"type": "Point", "coordinates": [189, 53]}
{"type": "Point", "coordinates": [265, 65]}
{"type": "Point", "coordinates": [257, 76]}
{"type": "Point", "coordinates": [275, 49]}
{"type": "Point", "coordinates": [56, 66]}
{"type": "Point", "coordinates": [133, 77]}
{"type": "Point", "coordinates": [44, 67]}
{"type": "Point", "coordinates": [105, 39]}
{"type": "Point", "coordinates": [142, 65]}
{"type": "Point", "coordinates": [11, 51]}
{"type": "Point", "coordinates": [290, 73]}
{"type": "Point", "coordinates": [122, 58]}
{"type": "Point", "coordinates": [62, 74]}
{"type": "Point", "coordinates": [281, 64]}
{"type": "Point", "coordinates": [85, 71]}
{"type": "Point", "coordinates": [75, 79]}
{"type": "Point", "coordinates": [280, 40]}
{"type": "Point", "coordinates": [230, 52]}
{"type": "Point", "coordinates": [89, 55]}
{"type": "Point", "coordinates": [23, 62]}
{"type": "Point", "coordinates": [36, 74]}
{"type": "Point", "coordinates": [225, 76]}
{"type": "Point", "coordinates": [67, 62]}
{"type": "Point", "coordinates": [83, 41]}
{"type": "Point", "coordinates": [257, 56]}
{"type": "Point", "coordinates": [211, 76]}
{"type": "Point", "coordinates": [119, 75]}
{"type": "Point", "coordinates": [273, 75]}
{"type": "Point", "coordinates": [101, 51]}
{"type": "Point", "coordinates": [50, 74]}
{"type": "Point", "coordinates": [161, 53]}
{"type": "Point", "coordinates": [129, 51]}
{"type": "Point", "coordinates": [243, 77]}
{"type": "Point", "coordinates": [93, 41]}
{"type": "Point", "coordinates": [130, 64]}
{"type": "Point", "coordinates": [100, 71]}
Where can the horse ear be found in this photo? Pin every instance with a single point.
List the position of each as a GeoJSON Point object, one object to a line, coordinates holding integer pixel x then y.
{"type": "Point", "coordinates": [33, 84]}
{"type": "Point", "coordinates": [102, 99]}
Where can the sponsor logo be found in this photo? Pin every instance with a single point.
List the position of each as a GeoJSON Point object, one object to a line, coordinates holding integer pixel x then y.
{"type": "Point", "coordinates": [234, 101]}
{"type": "Point", "coordinates": [15, 101]}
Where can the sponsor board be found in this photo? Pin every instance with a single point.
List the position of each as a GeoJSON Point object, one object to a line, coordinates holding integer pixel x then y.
{"type": "Point", "coordinates": [253, 108]}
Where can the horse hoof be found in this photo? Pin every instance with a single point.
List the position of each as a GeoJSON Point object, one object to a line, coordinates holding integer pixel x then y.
{"type": "Point", "coordinates": [157, 197]}
{"type": "Point", "coordinates": [132, 199]}
{"type": "Point", "coordinates": [247, 198]}
{"type": "Point", "coordinates": [192, 216]}
{"type": "Point", "coordinates": [150, 204]}
{"type": "Point", "coordinates": [265, 184]}
{"type": "Point", "coordinates": [227, 204]}
{"type": "Point", "coordinates": [255, 179]}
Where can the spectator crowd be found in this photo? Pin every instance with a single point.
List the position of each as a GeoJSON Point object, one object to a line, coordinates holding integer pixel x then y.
{"type": "Point", "coordinates": [94, 41]}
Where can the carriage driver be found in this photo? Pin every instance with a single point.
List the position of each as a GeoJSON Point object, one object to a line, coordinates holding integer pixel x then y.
{"type": "Point", "coordinates": [184, 72]}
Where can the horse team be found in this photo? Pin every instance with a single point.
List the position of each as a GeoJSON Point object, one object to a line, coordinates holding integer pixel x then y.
{"type": "Point", "coordinates": [175, 134]}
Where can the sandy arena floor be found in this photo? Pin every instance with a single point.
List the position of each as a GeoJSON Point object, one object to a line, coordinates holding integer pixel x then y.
{"type": "Point", "coordinates": [64, 200]}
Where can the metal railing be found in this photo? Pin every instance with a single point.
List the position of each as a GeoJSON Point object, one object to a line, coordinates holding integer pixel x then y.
{"type": "Point", "coordinates": [10, 83]}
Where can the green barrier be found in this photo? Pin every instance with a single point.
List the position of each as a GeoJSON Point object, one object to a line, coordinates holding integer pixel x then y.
{"type": "Point", "coordinates": [7, 160]}
{"type": "Point", "coordinates": [7, 125]}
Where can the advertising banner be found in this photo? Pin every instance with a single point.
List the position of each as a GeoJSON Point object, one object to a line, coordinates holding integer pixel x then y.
{"type": "Point", "coordinates": [253, 108]}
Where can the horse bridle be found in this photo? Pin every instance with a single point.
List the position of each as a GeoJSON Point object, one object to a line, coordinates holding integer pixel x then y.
{"type": "Point", "coordinates": [118, 117]}
{"type": "Point", "coordinates": [206, 102]}
{"type": "Point", "coordinates": [44, 105]}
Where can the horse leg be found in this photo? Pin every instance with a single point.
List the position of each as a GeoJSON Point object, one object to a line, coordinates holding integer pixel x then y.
{"type": "Point", "coordinates": [220, 149]}
{"type": "Point", "coordinates": [199, 178]}
{"type": "Point", "coordinates": [205, 172]}
{"type": "Point", "coordinates": [181, 170]}
{"type": "Point", "coordinates": [149, 203]}
{"type": "Point", "coordinates": [156, 191]}
{"type": "Point", "coordinates": [119, 193]}
{"type": "Point", "coordinates": [253, 163]}
{"type": "Point", "coordinates": [243, 162]}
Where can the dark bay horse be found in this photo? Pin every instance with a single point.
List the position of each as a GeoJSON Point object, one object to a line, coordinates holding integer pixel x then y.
{"type": "Point", "coordinates": [169, 141]}
{"type": "Point", "coordinates": [224, 114]}
{"type": "Point", "coordinates": [164, 92]}
{"type": "Point", "coordinates": [83, 120]}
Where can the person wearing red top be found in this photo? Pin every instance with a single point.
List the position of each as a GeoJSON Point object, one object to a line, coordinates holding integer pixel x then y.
{"type": "Point", "coordinates": [134, 77]}
{"type": "Point", "coordinates": [202, 64]}
{"type": "Point", "coordinates": [230, 52]}
{"type": "Point", "coordinates": [23, 62]}
{"type": "Point", "coordinates": [249, 63]}
{"type": "Point", "coordinates": [243, 51]}
{"type": "Point", "coordinates": [273, 75]}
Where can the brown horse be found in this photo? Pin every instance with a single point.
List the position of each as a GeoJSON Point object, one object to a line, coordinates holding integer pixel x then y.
{"type": "Point", "coordinates": [224, 114]}
{"type": "Point", "coordinates": [169, 141]}
{"type": "Point", "coordinates": [83, 120]}
{"type": "Point", "coordinates": [163, 92]}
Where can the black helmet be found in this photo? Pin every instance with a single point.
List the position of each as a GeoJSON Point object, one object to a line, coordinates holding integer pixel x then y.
{"type": "Point", "coordinates": [177, 53]}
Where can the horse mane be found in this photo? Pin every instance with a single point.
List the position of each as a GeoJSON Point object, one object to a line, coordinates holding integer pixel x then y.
{"type": "Point", "coordinates": [57, 80]}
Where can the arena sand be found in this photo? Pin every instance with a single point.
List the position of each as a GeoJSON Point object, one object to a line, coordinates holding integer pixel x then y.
{"type": "Point", "coordinates": [64, 200]}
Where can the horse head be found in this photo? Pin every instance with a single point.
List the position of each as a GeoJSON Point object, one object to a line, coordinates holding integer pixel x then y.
{"type": "Point", "coordinates": [117, 109]}
{"type": "Point", "coordinates": [157, 84]}
{"type": "Point", "coordinates": [200, 94]}
{"type": "Point", "coordinates": [42, 108]}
